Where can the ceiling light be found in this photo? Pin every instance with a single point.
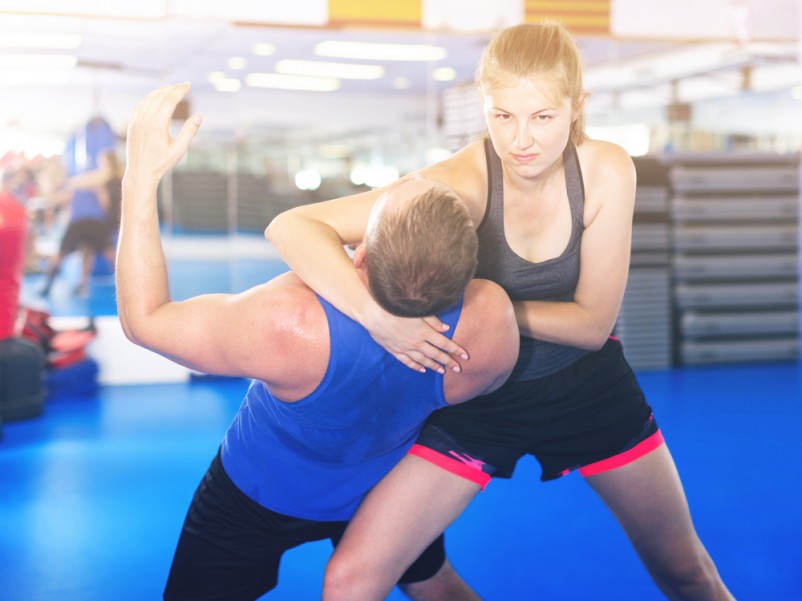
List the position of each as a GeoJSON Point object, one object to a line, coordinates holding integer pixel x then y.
{"type": "Point", "coordinates": [380, 52]}
{"type": "Point", "coordinates": [65, 41]}
{"type": "Point", "coordinates": [292, 82]}
{"type": "Point", "coordinates": [153, 9]}
{"type": "Point", "coordinates": [324, 69]}
{"type": "Point", "coordinates": [37, 61]}
{"type": "Point", "coordinates": [308, 179]}
{"type": "Point", "coordinates": [39, 77]}
{"type": "Point", "coordinates": [237, 63]}
{"type": "Point", "coordinates": [263, 49]}
{"type": "Point", "coordinates": [444, 74]}
{"type": "Point", "coordinates": [227, 84]}
{"type": "Point", "coordinates": [400, 83]}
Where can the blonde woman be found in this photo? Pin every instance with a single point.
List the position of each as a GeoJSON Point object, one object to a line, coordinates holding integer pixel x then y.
{"type": "Point", "coordinates": [553, 210]}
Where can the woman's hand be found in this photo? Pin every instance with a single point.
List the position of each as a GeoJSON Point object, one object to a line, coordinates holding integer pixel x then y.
{"type": "Point", "coordinates": [416, 342]}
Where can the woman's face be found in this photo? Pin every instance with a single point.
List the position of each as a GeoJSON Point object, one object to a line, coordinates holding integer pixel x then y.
{"type": "Point", "coordinates": [529, 126]}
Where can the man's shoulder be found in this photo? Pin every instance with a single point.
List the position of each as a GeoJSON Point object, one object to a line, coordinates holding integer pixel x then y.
{"type": "Point", "coordinates": [286, 305]}
{"type": "Point", "coordinates": [293, 325]}
{"type": "Point", "coordinates": [487, 320]}
{"type": "Point", "coordinates": [484, 295]}
{"type": "Point", "coordinates": [487, 329]}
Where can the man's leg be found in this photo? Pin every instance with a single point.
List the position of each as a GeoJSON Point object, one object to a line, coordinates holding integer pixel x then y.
{"type": "Point", "coordinates": [400, 517]}
{"type": "Point", "coordinates": [647, 498]}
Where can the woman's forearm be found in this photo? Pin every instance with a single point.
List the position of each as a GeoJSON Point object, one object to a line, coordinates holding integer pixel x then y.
{"type": "Point", "coordinates": [566, 323]}
{"type": "Point", "coordinates": [320, 261]}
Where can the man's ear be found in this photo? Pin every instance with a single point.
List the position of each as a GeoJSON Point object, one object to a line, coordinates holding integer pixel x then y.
{"type": "Point", "coordinates": [359, 256]}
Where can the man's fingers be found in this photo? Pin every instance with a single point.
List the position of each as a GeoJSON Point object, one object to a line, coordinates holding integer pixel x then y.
{"type": "Point", "coordinates": [161, 103]}
{"type": "Point", "coordinates": [188, 131]}
{"type": "Point", "coordinates": [150, 142]}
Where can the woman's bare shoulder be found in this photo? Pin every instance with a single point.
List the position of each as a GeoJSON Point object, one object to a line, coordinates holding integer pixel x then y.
{"type": "Point", "coordinates": [609, 175]}
{"type": "Point", "coordinates": [465, 171]}
{"type": "Point", "coordinates": [600, 156]}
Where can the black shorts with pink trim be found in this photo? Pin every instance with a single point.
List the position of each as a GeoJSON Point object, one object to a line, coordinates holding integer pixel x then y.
{"type": "Point", "coordinates": [591, 416]}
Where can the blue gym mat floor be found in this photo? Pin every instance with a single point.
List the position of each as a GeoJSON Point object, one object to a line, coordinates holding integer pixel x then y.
{"type": "Point", "coordinates": [93, 492]}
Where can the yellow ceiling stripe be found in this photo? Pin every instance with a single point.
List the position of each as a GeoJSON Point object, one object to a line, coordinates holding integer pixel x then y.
{"type": "Point", "coordinates": [568, 5]}
{"type": "Point", "coordinates": [586, 17]}
{"type": "Point", "coordinates": [398, 13]}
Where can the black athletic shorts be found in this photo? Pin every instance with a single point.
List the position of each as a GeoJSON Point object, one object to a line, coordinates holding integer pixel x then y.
{"type": "Point", "coordinates": [591, 416]}
{"type": "Point", "coordinates": [230, 546]}
{"type": "Point", "coordinates": [94, 233]}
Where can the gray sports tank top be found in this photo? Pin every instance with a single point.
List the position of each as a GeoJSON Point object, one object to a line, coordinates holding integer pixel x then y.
{"type": "Point", "coordinates": [551, 280]}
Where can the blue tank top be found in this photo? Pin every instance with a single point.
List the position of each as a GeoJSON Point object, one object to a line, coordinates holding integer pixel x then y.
{"type": "Point", "coordinates": [316, 458]}
{"type": "Point", "coordinates": [551, 280]}
{"type": "Point", "coordinates": [85, 205]}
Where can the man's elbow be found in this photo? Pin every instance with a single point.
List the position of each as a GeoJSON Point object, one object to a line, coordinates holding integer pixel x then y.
{"type": "Point", "coordinates": [129, 326]}
{"type": "Point", "coordinates": [129, 332]}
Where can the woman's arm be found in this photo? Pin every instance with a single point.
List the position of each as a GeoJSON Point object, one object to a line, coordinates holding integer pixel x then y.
{"type": "Point", "coordinates": [609, 176]}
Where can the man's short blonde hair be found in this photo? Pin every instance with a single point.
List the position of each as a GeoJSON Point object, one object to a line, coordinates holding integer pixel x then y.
{"type": "Point", "coordinates": [421, 254]}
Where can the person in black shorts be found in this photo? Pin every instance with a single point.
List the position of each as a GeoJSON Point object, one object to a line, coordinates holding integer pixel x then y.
{"type": "Point", "coordinates": [554, 211]}
{"type": "Point", "coordinates": [94, 220]}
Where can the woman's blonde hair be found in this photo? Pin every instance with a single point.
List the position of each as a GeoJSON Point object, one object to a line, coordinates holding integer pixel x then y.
{"type": "Point", "coordinates": [536, 50]}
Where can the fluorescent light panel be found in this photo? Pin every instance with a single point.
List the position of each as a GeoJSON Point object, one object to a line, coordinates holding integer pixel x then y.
{"type": "Point", "coordinates": [444, 74]}
{"type": "Point", "coordinates": [139, 9]}
{"type": "Point", "coordinates": [327, 69]}
{"type": "Point", "coordinates": [263, 49]}
{"type": "Point", "coordinates": [401, 83]}
{"type": "Point", "coordinates": [50, 41]}
{"type": "Point", "coordinates": [380, 52]}
{"type": "Point", "coordinates": [291, 82]}
{"type": "Point", "coordinates": [38, 77]}
{"type": "Point", "coordinates": [37, 61]}
{"type": "Point", "coordinates": [237, 63]}
{"type": "Point", "coordinates": [227, 84]}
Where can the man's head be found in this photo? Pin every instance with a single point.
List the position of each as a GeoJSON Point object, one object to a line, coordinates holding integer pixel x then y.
{"type": "Point", "coordinates": [420, 248]}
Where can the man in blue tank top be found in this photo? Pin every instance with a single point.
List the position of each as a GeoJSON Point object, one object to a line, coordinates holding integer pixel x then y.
{"type": "Point", "coordinates": [329, 411]}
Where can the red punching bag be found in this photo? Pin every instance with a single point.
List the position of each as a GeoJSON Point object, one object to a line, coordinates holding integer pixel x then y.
{"type": "Point", "coordinates": [13, 232]}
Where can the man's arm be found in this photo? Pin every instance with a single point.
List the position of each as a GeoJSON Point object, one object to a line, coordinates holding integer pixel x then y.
{"type": "Point", "coordinates": [252, 334]}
